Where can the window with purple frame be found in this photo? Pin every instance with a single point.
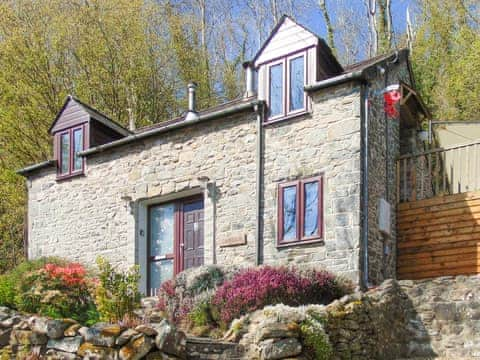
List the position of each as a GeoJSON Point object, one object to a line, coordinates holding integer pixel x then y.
{"type": "Point", "coordinates": [300, 217]}
{"type": "Point", "coordinates": [286, 81]}
{"type": "Point", "coordinates": [70, 143]}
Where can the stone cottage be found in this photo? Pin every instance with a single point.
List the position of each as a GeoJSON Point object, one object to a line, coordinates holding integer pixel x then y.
{"type": "Point", "coordinates": [300, 170]}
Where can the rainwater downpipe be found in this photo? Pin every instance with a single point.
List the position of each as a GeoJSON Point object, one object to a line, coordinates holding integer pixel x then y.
{"type": "Point", "coordinates": [365, 110]}
{"type": "Point", "coordinates": [259, 109]}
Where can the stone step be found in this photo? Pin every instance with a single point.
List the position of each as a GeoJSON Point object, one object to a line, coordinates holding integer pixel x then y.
{"type": "Point", "coordinates": [209, 349]}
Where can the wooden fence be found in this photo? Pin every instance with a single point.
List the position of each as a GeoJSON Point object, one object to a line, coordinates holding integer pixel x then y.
{"type": "Point", "coordinates": [449, 170]}
{"type": "Point", "coordinates": [439, 236]}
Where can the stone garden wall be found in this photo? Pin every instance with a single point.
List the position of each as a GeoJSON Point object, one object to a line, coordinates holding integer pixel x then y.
{"type": "Point", "coordinates": [438, 318]}
{"type": "Point", "coordinates": [23, 336]}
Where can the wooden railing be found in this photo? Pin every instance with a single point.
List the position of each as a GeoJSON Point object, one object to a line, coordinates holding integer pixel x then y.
{"type": "Point", "coordinates": [443, 171]}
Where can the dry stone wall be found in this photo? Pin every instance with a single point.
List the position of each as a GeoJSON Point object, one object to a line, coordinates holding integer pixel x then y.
{"type": "Point", "coordinates": [22, 336]}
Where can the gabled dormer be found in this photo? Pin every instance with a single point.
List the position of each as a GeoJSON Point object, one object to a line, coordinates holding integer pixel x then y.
{"type": "Point", "coordinates": [78, 127]}
{"type": "Point", "coordinates": [291, 58]}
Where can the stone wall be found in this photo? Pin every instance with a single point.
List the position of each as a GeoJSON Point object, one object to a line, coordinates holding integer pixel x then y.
{"type": "Point", "coordinates": [326, 142]}
{"type": "Point", "coordinates": [103, 212]}
{"type": "Point", "coordinates": [436, 318]}
{"type": "Point", "coordinates": [98, 214]}
{"type": "Point", "coordinates": [384, 149]}
{"type": "Point", "coordinates": [22, 336]}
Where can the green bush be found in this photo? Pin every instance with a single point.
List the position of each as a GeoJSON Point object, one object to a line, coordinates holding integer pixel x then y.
{"type": "Point", "coordinates": [116, 293]}
{"type": "Point", "coordinates": [12, 283]}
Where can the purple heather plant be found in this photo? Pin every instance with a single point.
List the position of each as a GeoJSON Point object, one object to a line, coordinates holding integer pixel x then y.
{"type": "Point", "coordinates": [253, 289]}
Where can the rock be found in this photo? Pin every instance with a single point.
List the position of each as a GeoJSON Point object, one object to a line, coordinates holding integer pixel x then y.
{"type": "Point", "coordinates": [158, 355]}
{"type": "Point", "coordinates": [101, 334]}
{"type": "Point", "coordinates": [11, 322]}
{"type": "Point", "coordinates": [22, 325]}
{"type": "Point", "coordinates": [54, 329]}
{"type": "Point", "coordinates": [279, 349]}
{"type": "Point", "coordinates": [52, 354]}
{"type": "Point", "coordinates": [27, 337]}
{"type": "Point", "coordinates": [68, 344]}
{"type": "Point", "coordinates": [147, 330]}
{"type": "Point", "coordinates": [276, 331]}
{"type": "Point", "coordinates": [5, 337]}
{"type": "Point", "coordinates": [72, 330]}
{"type": "Point", "coordinates": [170, 341]}
{"type": "Point", "coordinates": [137, 348]}
{"type": "Point", "coordinates": [125, 337]}
{"type": "Point", "coordinates": [91, 351]}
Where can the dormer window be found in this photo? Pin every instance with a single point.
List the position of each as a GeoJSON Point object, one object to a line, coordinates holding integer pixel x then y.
{"type": "Point", "coordinates": [286, 82]}
{"type": "Point", "coordinates": [291, 58]}
{"type": "Point", "coordinates": [77, 127]}
{"type": "Point", "coordinates": [70, 143]}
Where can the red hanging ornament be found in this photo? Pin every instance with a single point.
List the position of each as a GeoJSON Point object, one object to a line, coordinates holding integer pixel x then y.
{"type": "Point", "coordinates": [391, 97]}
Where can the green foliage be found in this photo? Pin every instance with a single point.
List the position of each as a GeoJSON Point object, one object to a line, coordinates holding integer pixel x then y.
{"type": "Point", "coordinates": [315, 338]}
{"type": "Point", "coordinates": [201, 314]}
{"type": "Point", "coordinates": [446, 58]}
{"type": "Point", "coordinates": [16, 281]}
{"type": "Point", "coordinates": [210, 279]}
{"type": "Point", "coordinates": [116, 293]}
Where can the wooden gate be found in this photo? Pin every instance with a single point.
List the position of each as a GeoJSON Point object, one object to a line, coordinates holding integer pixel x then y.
{"type": "Point", "coordinates": [439, 236]}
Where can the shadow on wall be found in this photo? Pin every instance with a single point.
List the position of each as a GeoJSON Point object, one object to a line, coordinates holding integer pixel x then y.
{"type": "Point", "coordinates": [380, 324]}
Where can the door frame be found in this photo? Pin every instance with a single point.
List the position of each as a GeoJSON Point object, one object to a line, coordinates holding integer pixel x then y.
{"type": "Point", "coordinates": [178, 236]}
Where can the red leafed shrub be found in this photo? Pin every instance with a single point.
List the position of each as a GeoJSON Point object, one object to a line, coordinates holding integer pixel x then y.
{"type": "Point", "coordinates": [253, 289]}
{"type": "Point", "coordinates": [71, 274]}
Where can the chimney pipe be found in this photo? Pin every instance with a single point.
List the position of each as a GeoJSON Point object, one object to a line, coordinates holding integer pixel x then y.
{"type": "Point", "coordinates": [249, 79]}
{"type": "Point", "coordinates": [192, 113]}
{"type": "Point", "coordinates": [131, 120]}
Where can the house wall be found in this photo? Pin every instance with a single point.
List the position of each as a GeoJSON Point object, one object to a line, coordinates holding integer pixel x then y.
{"type": "Point", "coordinates": [326, 142]}
{"type": "Point", "coordinates": [96, 214]}
{"type": "Point", "coordinates": [103, 212]}
{"type": "Point", "coordinates": [384, 149]}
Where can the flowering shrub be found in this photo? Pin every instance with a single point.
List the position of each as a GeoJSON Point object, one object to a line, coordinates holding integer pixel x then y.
{"type": "Point", "coordinates": [11, 282]}
{"type": "Point", "coordinates": [253, 289]}
{"type": "Point", "coordinates": [57, 291]}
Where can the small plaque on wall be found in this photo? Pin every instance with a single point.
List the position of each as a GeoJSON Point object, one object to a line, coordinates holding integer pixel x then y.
{"type": "Point", "coordinates": [233, 240]}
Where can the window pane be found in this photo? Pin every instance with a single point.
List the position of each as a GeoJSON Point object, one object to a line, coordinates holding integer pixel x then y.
{"type": "Point", "coordinates": [276, 90]}
{"type": "Point", "coordinates": [296, 84]}
{"type": "Point", "coordinates": [160, 271]}
{"type": "Point", "coordinates": [65, 153]}
{"type": "Point", "coordinates": [289, 213]}
{"type": "Point", "coordinates": [162, 230]}
{"type": "Point", "coordinates": [310, 225]}
{"type": "Point", "coordinates": [78, 146]}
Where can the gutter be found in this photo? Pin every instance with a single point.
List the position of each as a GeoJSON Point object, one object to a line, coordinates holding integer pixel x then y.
{"type": "Point", "coordinates": [26, 170]}
{"type": "Point", "coordinates": [337, 80]}
{"type": "Point", "coordinates": [201, 118]}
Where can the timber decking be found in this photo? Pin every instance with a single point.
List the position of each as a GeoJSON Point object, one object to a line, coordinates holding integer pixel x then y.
{"type": "Point", "coordinates": [439, 236]}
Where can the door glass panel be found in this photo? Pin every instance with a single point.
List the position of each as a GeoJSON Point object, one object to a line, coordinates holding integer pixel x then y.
{"type": "Point", "coordinates": [289, 213]}
{"type": "Point", "coordinates": [276, 90]}
{"type": "Point", "coordinates": [162, 230]}
{"type": "Point", "coordinates": [160, 271]}
{"type": "Point", "coordinates": [296, 84]}
{"type": "Point", "coordinates": [310, 226]}
{"type": "Point", "coordinates": [65, 153]}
